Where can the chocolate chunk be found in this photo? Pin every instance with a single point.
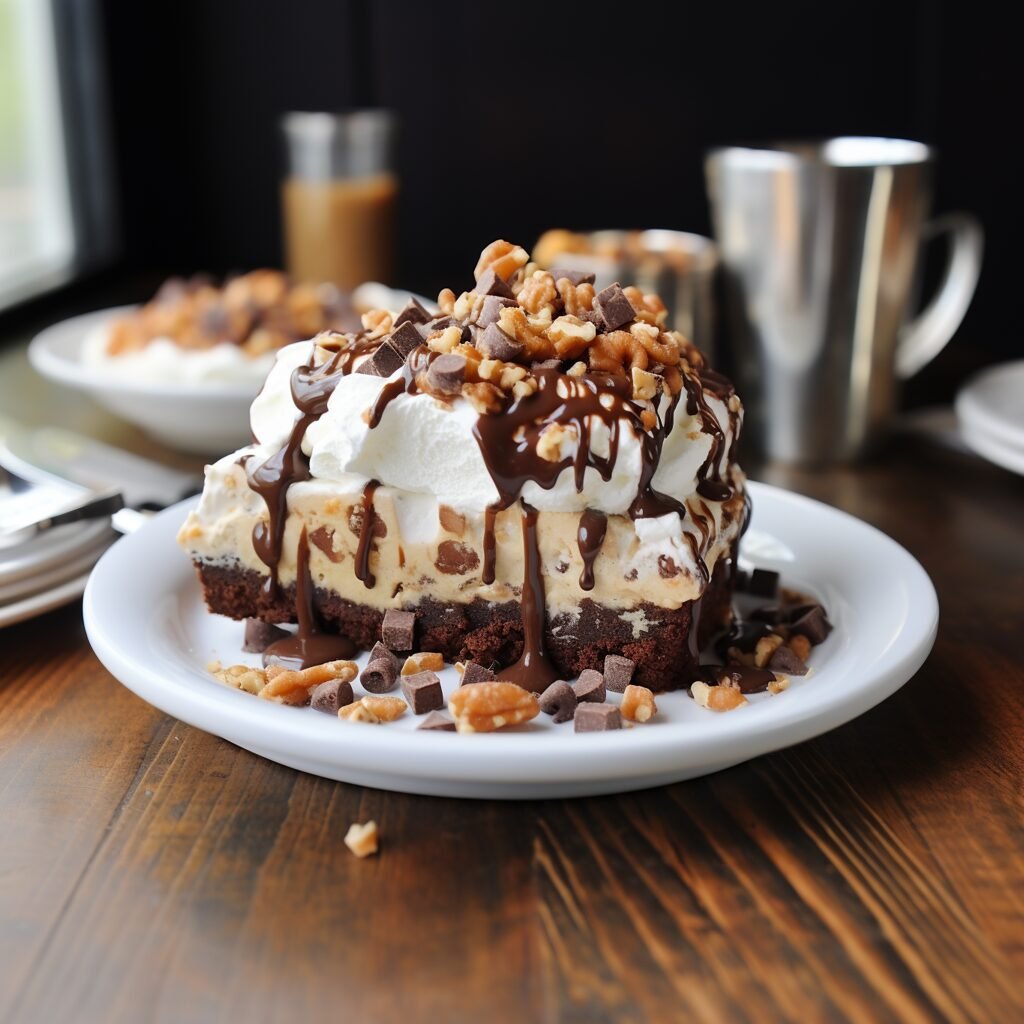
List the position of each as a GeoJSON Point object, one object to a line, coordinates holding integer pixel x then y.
{"type": "Point", "coordinates": [455, 558]}
{"type": "Point", "coordinates": [615, 309]}
{"type": "Point", "coordinates": [559, 701]}
{"type": "Point", "coordinates": [447, 373]}
{"type": "Point", "coordinates": [574, 277]}
{"type": "Point", "coordinates": [330, 696]}
{"type": "Point", "coordinates": [491, 284]}
{"type": "Point", "coordinates": [590, 686]}
{"type": "Point", "coordinates": [437, 324]}
{"type": "Point", "coordinates": [786, 661]}
{"type": "Point", "coordinates": [474, 673]}
{"type": "Point", "coordinates": [437, 721]}
{"type": "Point", "coordinates": [494, 343]}
{"type": "Point", "coordinates": [380, 651]}
{"type": "Point", "coordinates": [490, 311]}
{"type": "Point", "coordinates": [405, 339]}
{"type": "Point", "coordinates": [762, 583]}
{"type": "Point", "coordinates": [812, 624]}
{"type": "Point", "coordinates": [379, 676]}
{"type": "Point", "coordinates": [422, 691]}
{"type": "Point", "coordinates": [412, 313]}
{"type": "Point", "coordinates": [618, 672]}
{"type": "Point", "coordinates": [383, 362]}
{"type": "Point", "coordinates": [259, 635]}
{"type": "Point", "coordinates": [597, 718]}
{"type": "Point", "coordinates": [591, 316]}
{"type": "Point", "coordinates": [397, 630]}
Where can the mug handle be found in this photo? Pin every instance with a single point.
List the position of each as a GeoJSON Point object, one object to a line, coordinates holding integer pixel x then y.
{"type": "Point", "coordinates": [926, 335]}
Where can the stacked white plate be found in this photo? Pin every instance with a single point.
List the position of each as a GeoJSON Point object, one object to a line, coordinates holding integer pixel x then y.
{"type": "Point", "coordinates": [49, 569]}
{"type": "Point", "coordinates": [990, 409]}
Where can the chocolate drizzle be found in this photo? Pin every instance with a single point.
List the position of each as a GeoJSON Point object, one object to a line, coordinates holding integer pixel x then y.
{"type": "Point", "coordinates": [418, 362]}
{"type": "Point", "coordinates": [366, 532]}
{"type": "Point", "coordinates": [534, 670]}
{"type": "Point", "coordinates": [710, 484]}
{"type": "Point", "coordinates": [590, 536]}
{"type": "Point", "coordinates": [308, 646]}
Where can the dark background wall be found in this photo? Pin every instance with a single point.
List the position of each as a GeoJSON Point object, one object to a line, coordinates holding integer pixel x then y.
{"type": "Point", "coordinates": [516, 118]}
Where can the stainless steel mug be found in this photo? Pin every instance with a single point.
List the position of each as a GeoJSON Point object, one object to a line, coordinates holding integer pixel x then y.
{"type": "Point", "coordinates": [820, 244]}
{"type": "Point", "coordinates": [676, 265]}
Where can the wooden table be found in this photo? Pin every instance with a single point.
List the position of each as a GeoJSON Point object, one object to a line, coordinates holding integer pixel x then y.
{"type": "Point", "coordinates": [151, 872]}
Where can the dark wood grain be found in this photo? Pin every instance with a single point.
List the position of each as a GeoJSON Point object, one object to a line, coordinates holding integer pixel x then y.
{"type": "Point", "coordinates": [151, 872]}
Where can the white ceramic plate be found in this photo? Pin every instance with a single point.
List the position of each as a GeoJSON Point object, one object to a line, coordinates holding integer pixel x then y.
{"type": "Point", "coordinates": [37, 604]}
{"type": "Point", "coordinates": [146, 621]}
{"type": "Point", "coordinates": [70, 569]}
{"type": "Point", "coordinates": [993, 448]}
{"type": "Point", "coordinates": [991, 404]}
{"type": "Point", "coordinates": [51, 549]}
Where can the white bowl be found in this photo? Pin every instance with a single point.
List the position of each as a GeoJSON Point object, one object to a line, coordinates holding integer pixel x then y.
{"type": "Point", "coordinates": [204, 417]}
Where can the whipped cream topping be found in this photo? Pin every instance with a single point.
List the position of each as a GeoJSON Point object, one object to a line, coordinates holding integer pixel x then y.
{"type": "Point", "coordinates": [426, 446]}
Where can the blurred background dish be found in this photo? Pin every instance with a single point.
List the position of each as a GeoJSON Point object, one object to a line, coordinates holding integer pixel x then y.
{"type": "Point", "coordinates": [192, 399]}
{"type": "Point", "coordinates": [990, 411]}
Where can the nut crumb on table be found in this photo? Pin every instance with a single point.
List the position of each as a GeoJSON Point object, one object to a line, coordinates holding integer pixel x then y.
{"type": "Point", "coordinates": [362, 840]}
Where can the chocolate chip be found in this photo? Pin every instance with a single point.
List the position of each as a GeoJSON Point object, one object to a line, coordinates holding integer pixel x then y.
{"type": "Point", "coordinates": [574, 277]}
{"type": "Point", "coordinates": [259, 635]}
{"type": "Point", "coordinates": [785, 660]}
{"type": "Point", "coordinates": [559, 701]}
{"type": "Point", "coordinates": [813, 624]}
{"type": "Point", "coordinates": [494, 343]}
{"type": "Point", "coordinates": [618, 672]}
{"type": "Point", "coordinates": [447, 373]}
{"type": "Point", "coordinates": [330, 696]}
{"type": "Point", "coordinates": [590, 686]}
{"type": "Point", "coordinates": [490, 311]}
{"type": "Point", "coordinates": [597, 718]}
{"type": "Point", "coordinates": [383, 362]}
{"type": "Point", "coordinates": [437, 324]}
{"type": "Point", "coordinates": [405, 339]}
{"type": "Point", "coordinates": [615, 309]}
{"type": "Point", "coordinates": [455, 558]}
{"type": "Point", "coordinates": [379, 676]}
{"type": "Point", "coordinates": [491, 284]}
{"type": "Point", "coordinates": [422, 690]}
{"type": "Point", "coordinates": [762, 583]}
{"type": "Point", "coordinates": [474, 673]}
{"type": "Point", "coordinates": [437, 721]}
{"type": "Point", "coordinates": [397, 629]}
{"type": "Point", "coordinates": [412, 313]}
{"type": "Point", "coordinates": [379, 651]}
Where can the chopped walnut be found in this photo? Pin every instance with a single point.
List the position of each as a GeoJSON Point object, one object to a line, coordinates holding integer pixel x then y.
{"type": "Point", "coordinates": [538, 292]}
{"type": "Point", "coordinates": [778, 684]}
{"type": "Point", "coordinates": [243, 677]}
{"type": "Point", "coordinates": [446, 301]}
{"type": "Point", "coordinates": [612, 351]}
{"type": "Point", "coordinates": [551, 439]}
{"type": "Point", "coordinates": [362, 840]}
{"type": "Point", "coordinates": [485, 398]}
{"type": "Point", "coordinates": [373, 710]}
{"type": "Point", "coordinates": [638, 704]}
{"type": "Point", "coordinates": [571, 336]}
{"type": "Point", "coordinates": [503, 258]}
{"type": "Point", "coordinates": [765, 648]}
{"type": "Point", "coordinates": [645, 385]}
{"type": "Point", "coordinates": [293, 686]}
{"type": "Point", "coordinates": [376, 322]}
{"type": "Point", "coordinates": [485, 707]}
{"type": "Point", "coordinates": [717, 698]}
{"type": "Point", "coordinates": [446, 340]}
{"type": "Point", "coordinates": [800, 646]}
{"type": "Point", "coordinates": [421, 662]}
{"type": "Point", "coordinates": [576, 298]}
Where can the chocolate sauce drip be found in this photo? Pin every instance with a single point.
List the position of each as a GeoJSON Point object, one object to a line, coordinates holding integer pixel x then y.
{"type": "Point", "coordinates": [308, 646]}
{"type": "Point", "coordinates": [590, 536]}
{"type": "Point", "coordinates": [534, 670]}
{"type": "Point", "coordinates": [709, 480]}
{"type": "Point", "coordinates": [490, 547]}
{"type": "Point", "coordinates": [366, 532]}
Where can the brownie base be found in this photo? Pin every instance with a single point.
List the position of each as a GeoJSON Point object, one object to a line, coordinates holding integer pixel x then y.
{"type": "Point", "coordinates": [485, 632]}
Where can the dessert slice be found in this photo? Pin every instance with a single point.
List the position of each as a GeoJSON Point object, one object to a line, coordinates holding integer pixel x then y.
{"type": "Point", "coordinates": [541, 473]}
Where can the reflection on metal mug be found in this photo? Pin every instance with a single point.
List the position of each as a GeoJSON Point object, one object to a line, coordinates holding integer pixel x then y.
{"type": "Point", "coordinates": [820, 246]}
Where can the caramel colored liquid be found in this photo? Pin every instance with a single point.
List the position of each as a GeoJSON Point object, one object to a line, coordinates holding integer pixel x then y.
{"type": "Point", "coordinates": [340, 231]}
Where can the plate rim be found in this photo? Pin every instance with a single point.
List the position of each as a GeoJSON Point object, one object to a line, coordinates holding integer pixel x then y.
{"type": "Point", "coordinates": [492, 758]}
